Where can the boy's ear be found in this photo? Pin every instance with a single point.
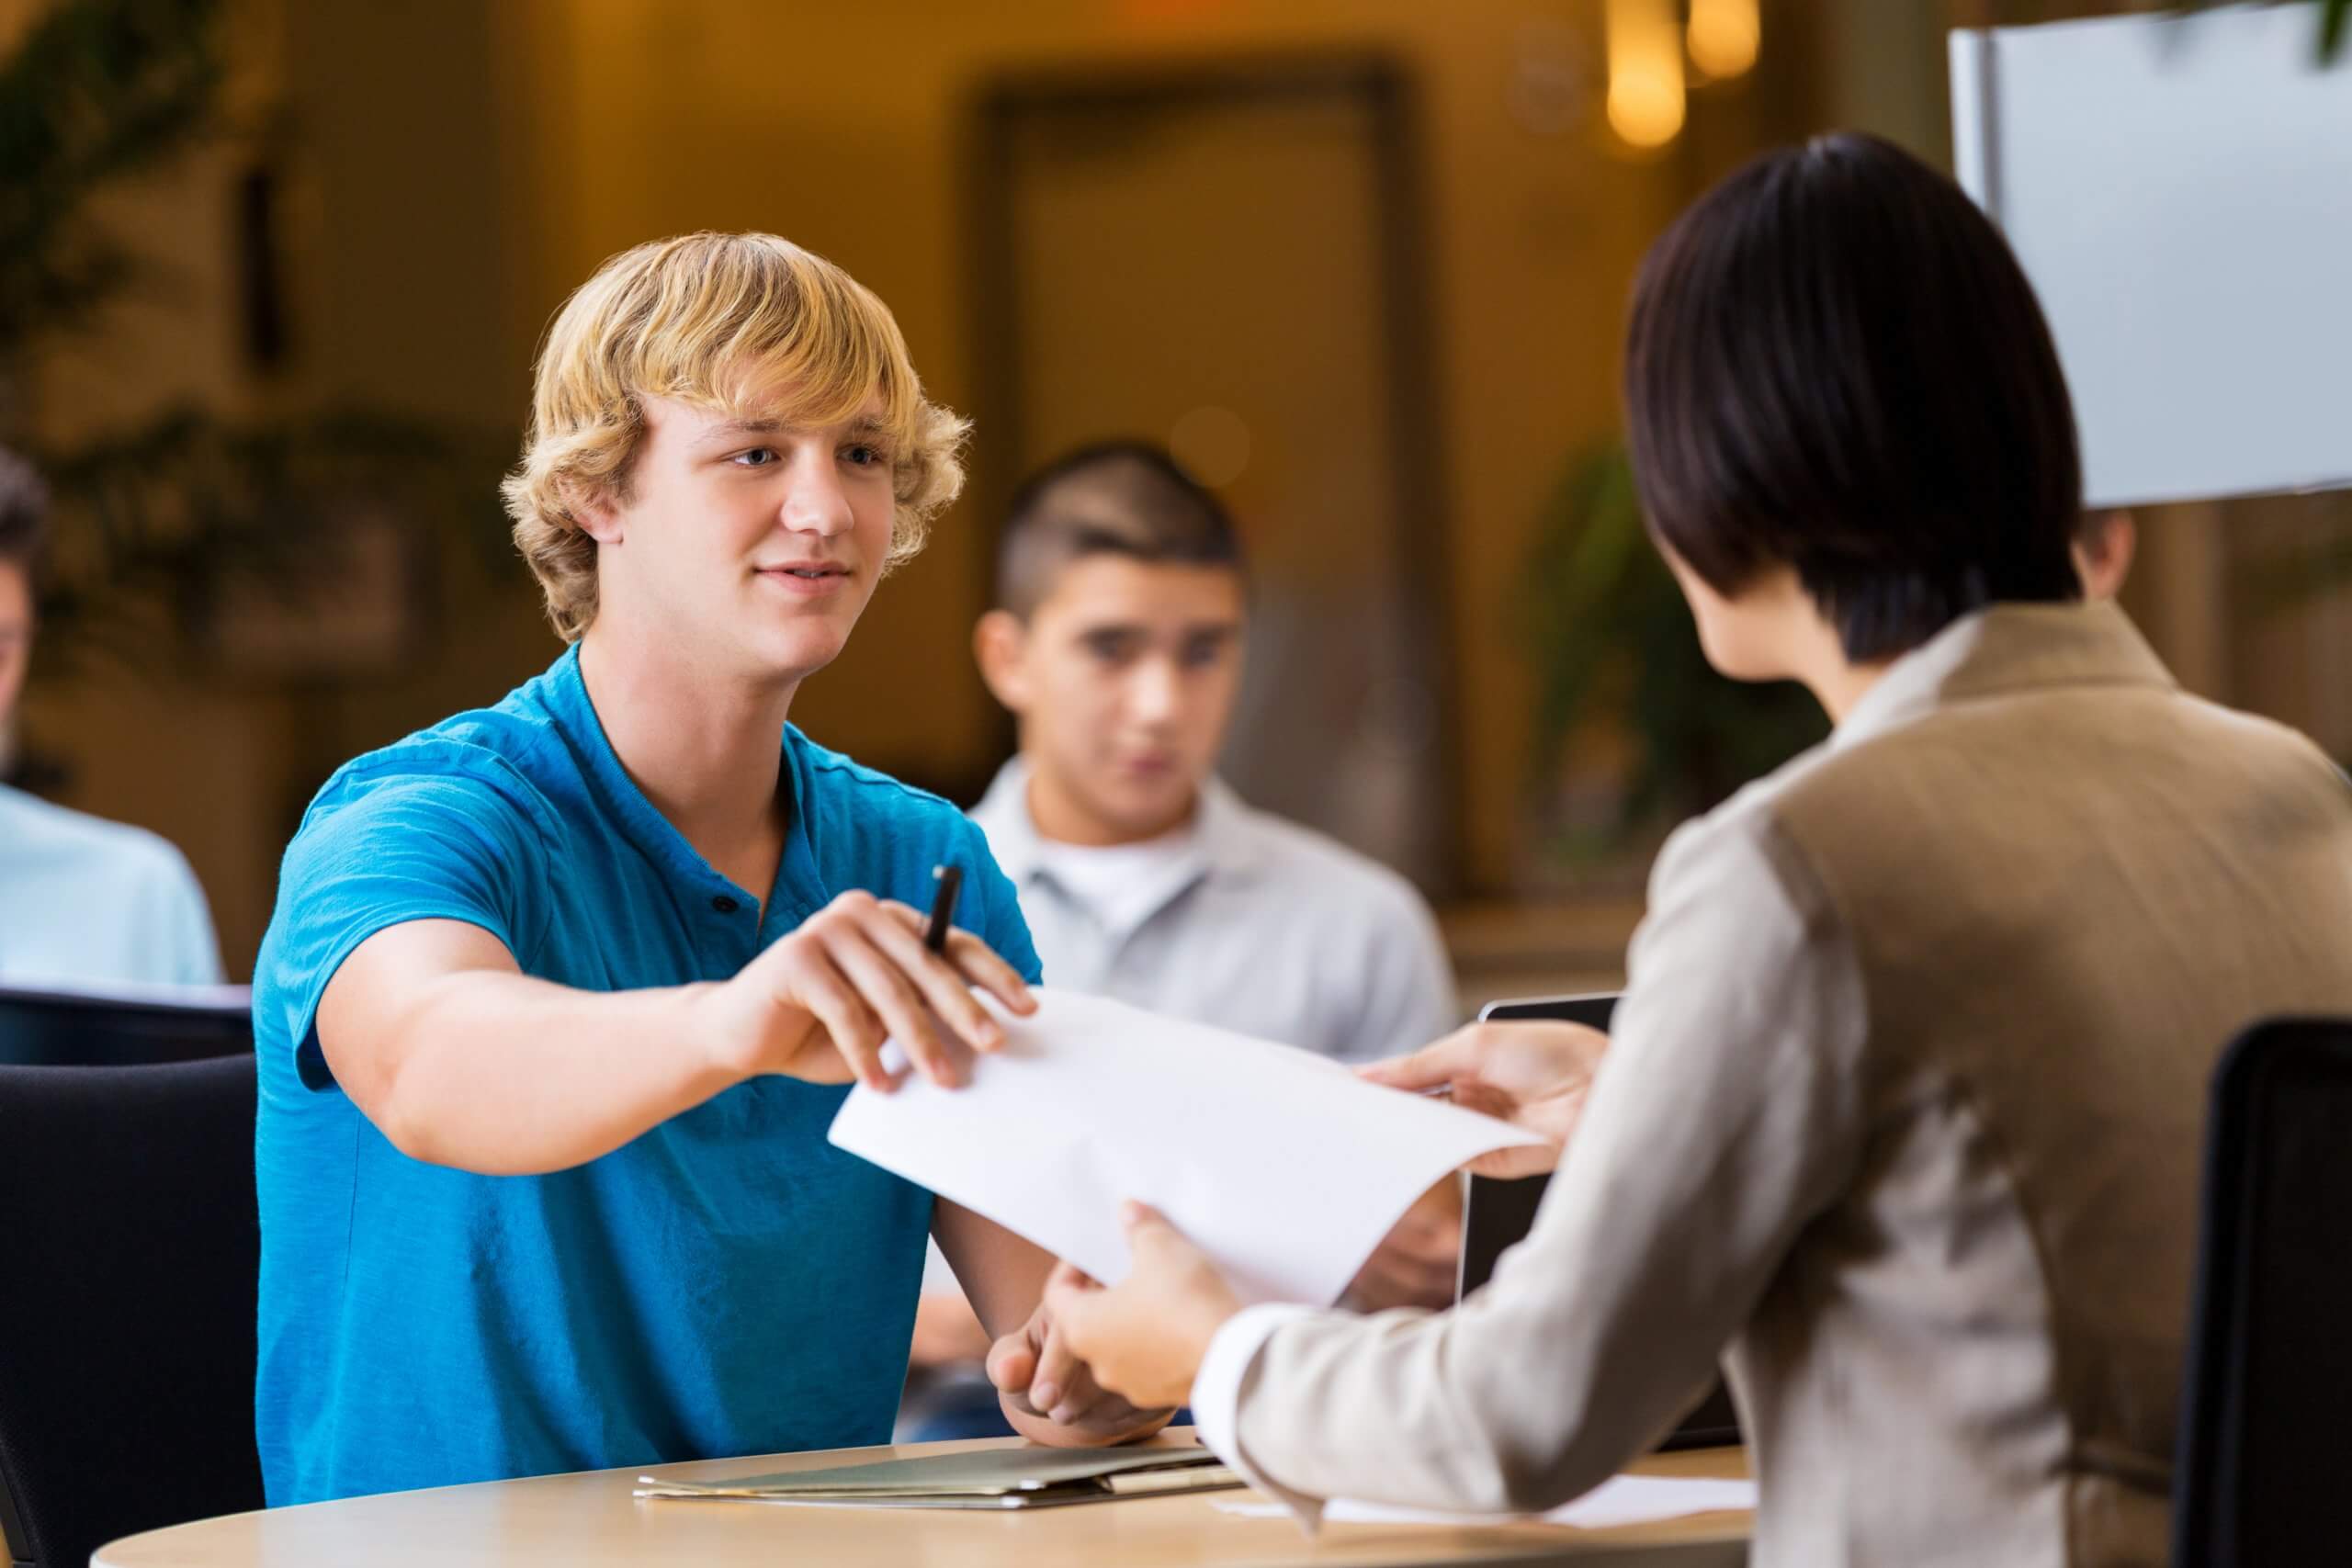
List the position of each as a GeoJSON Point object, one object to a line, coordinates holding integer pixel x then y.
{"type": "Point", "coordinates": [1000, 647]}
{"type": "Point", "coordinates": [594, 511]}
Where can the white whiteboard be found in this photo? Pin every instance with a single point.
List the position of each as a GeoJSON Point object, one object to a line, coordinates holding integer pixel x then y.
{"type": "Point", "coordinates": [2180, 192]}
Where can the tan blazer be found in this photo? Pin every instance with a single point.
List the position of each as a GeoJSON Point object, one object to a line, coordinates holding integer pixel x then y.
{"type": "Point", "coordinates": [1901, 1117]}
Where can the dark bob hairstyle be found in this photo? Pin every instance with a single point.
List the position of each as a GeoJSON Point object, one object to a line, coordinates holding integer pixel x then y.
{"type": "Point", "coordinates": [1836, 364]}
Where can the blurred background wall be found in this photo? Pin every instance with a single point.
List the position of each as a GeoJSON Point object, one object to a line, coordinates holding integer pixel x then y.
{"type": "Point", "coordinates": [396, 196]}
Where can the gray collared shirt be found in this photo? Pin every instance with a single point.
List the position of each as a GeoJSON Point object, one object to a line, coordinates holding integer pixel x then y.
{"type": "Point", "coordinates": [1266, 928]}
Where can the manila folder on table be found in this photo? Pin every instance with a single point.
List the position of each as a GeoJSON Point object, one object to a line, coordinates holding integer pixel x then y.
{"type": "Point", "coordinates": [974, 1478]}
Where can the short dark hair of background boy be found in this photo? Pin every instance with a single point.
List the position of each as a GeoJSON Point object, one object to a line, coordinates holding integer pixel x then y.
{"type": "Point", "coordinates": [1121, 497]}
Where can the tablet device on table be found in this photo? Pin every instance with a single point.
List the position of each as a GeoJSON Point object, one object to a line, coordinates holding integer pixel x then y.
{"type": "Point", "coordinates": [994, 1477]}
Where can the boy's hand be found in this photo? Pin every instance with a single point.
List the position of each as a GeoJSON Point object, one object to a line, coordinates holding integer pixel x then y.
{"type": "Point", "coordinates": [819, 1004]}
{"type": "Point", "coordinates": [1417, 1263]}
{"type": "Point", "coordinates": [1050, 1396]}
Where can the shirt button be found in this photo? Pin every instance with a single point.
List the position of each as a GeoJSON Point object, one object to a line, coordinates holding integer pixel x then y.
{"type": "Point", "coordinates": [725, 904]}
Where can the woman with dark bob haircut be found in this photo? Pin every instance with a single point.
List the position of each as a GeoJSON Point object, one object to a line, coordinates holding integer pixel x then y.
{"type": "Point", "coordinates": [1899, 1115]}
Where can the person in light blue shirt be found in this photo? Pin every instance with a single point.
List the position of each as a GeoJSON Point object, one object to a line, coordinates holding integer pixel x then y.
{"type": "Point", "coordinates": [83, 902]}
{"type": "Point", "coordinates": [86, 904]}
{"type": "Point", "coordinates": [561, 996]}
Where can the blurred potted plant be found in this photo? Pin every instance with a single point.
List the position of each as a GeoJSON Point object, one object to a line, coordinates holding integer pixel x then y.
{"type": "Point", "coordinates": [1617, 659]}
{"type": "Point", "coordinates": [162, 524]}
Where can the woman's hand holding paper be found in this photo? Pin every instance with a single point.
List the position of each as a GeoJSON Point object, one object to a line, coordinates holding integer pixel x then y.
{"type": "Point", "coordinates": [1143, 1337]}
{"type": "Point", "coordinates": [1050, 1395]}
{"type": "Point", "coordinates": [1533, 1076]}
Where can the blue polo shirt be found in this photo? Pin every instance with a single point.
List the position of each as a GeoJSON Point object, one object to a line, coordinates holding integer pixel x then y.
{"type": "Point", "coordinates": [727, 1283]}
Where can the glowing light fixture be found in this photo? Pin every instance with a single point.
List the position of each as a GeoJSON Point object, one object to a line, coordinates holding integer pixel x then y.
{"type": "Point", "coordinates": [1723, 36]}
{"type": "Point", "coordinates": [1645, 90]}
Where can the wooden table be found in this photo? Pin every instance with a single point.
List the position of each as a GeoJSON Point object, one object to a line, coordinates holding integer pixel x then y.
{"type": "Point", "coordinates": [589, 1520]}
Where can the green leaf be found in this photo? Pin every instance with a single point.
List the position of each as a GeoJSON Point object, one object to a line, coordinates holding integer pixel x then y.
{"type": "Point", "coordinates": [96, 89]}
{"type": "Point", "coordinates": [2335, 20]}
{"type": "Point", "coordinates": [157, 515]}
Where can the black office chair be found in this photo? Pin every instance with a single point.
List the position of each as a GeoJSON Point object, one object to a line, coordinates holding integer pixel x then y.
{"type": "Point", "coordinates": [42, 1028]}
{"type": "Point", "coordinates": [2265, 1397]}
{"type": "Point", "coordinates": [2266, 1394]}
{"type": "Point", "coordinates": [128, 1251]}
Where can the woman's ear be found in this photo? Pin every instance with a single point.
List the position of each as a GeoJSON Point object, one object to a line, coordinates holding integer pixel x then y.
{"type": "Point", "coordinates": [2103, 552]}
{"type": "Point", "coordinates": [1000, 647]}
{"type": "Point", "coordinates": [1770, 630]}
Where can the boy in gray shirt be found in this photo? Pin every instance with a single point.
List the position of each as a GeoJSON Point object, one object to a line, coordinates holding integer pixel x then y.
{"type": "Point", "coordinates": [1116, 641]}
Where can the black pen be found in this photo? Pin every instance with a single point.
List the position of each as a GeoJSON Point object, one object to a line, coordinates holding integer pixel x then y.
{"type": "Point", "coordinates": [942, 905]}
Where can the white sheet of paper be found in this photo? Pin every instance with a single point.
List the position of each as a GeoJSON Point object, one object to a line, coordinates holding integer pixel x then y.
{"type": "Point", "coordinates": [1620, 1500]}
{"type": "Point", "coordinates": [1283, 1165]}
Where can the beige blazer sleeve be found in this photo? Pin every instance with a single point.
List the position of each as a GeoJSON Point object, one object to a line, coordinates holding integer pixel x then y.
{"type": "Point", "coordinates": [1727, 1114]}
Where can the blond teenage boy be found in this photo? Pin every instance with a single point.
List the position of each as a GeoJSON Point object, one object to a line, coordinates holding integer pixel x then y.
{"type": "Point", "coordinates": [560, 995]}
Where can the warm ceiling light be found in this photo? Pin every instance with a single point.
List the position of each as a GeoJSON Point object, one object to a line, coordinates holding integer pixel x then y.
{"type": "Point", "coordinates": [1723, 36]}
{"type": "Point", "coordinates": [1645, 71]}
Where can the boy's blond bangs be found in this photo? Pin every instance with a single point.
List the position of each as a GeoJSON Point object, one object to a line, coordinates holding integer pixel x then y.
{"type": "Point", "coordinates": [749, 325]}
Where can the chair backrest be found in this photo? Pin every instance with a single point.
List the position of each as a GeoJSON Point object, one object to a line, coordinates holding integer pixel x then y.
{"type": "Point", "coordinates": [128, 1252]}
{"type": "Point", "coordinates": [2266, 1393]}
{"type": "Point", "coordinates": [1497, 1216]}
{"type": "Point", "coordinates": [42, 1028]}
